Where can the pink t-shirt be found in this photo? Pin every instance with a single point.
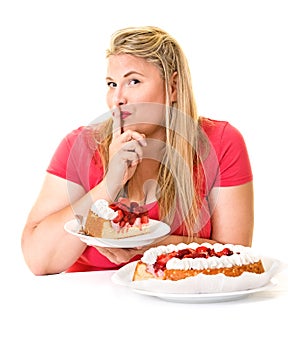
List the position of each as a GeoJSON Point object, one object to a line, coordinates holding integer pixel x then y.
{"type": "Point", "coordinates": [227, 164]}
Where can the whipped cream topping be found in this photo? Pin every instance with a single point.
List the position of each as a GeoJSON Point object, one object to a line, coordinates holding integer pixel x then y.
{"type": "Point", "coordinates": [101, 208]}
{"type": "Point", "coordinates": [242, 256]}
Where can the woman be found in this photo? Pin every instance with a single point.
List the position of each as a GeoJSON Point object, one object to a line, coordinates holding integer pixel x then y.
{"type": "Point", "coordinates": [194, 173]}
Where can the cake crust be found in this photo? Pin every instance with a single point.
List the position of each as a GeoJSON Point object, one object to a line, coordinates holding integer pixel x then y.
{"type": "Point", "coordinates": [141, 272]}
{"type": "Point", "coordinates": [96, 226]}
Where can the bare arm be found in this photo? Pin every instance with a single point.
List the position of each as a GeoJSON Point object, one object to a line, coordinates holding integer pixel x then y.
{"type": "Point", "coordinates": [46, 246]}
{"type": "Point", "coordinates": [233, 214]}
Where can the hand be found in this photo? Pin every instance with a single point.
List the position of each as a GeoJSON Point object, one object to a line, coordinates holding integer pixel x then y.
{"type": "Point", "coordinates": [119, 255]}
{"type": "Point", "coordinates": [125, 153]}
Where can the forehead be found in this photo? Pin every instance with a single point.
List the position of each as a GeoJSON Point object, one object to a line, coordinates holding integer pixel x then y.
{"type": "Point", "coordinates": [124, 63]}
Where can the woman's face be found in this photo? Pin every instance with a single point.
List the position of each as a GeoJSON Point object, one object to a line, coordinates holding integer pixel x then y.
{"type": "Point", "coordinates": [137, 91]}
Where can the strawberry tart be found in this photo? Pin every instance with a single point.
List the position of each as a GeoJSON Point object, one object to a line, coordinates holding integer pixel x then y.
{"type": "Point", "coordinates": [176, 262]}
{"type": "Point", "coordinates": [118, 220]}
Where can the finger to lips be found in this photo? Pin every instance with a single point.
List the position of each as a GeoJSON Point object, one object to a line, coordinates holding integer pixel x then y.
{"type": "Point", "coordinates": [117, 122]}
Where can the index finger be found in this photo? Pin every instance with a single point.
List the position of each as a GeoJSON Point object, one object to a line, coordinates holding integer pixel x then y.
{"type": "Point", "coordinates": [117, 122]}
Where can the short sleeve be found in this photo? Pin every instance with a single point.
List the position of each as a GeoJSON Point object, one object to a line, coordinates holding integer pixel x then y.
{"type": "Point", "coordinates": [58, 163]}
{"type": "Point", "coordinates": [234, 163]}
{"type": "Point", "coordinates": [75, 161]}
{"type": "Point", "coordinates": [232, 166]}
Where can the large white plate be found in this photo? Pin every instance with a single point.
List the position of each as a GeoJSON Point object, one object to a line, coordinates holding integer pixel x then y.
{"type": "Point", "coordinates": [206, 297]}
{"type": "Point", "coordinates": [158, 230]}
{"type": "Point", "coordinates": [167, 290]}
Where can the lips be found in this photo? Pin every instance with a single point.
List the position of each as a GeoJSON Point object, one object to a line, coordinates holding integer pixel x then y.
{"type": "Point", "coordinates": [124, 114]}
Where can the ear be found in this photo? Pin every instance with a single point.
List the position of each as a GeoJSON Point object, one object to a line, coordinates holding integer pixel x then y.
{"type": "Point", "coordinates": [173, 87]}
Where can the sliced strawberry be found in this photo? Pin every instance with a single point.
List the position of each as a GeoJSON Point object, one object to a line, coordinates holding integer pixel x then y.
{"type": "Point", "coordinates": [125, 217]}
{"type": "Point", "coordinates": [122, 223]}
{"type": "Point", "coordinates": [196, 255]}
{"type": "Point", "coordinates": [202, 249]}
{"type": "Point", "coordinates": [183, 252]}
{"type": "Point", "coordinates": [162, 260]}
{"type": "Point", "coordinates": [128, 212]}
{"type": "Point", "coordinates": [144, 219]}
{"type": "Point", "coordinates": [132, 218]}
{"type": "Point", "coordinates": [113, 206]}
{"type": "Point", "coordinates": [225, 251]}
{"type": "Point", "coordinates": [119, 217]}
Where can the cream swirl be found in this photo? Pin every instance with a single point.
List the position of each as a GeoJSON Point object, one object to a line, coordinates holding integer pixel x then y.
{"type": "Point", "coordinates": [101, 208]}
{"type": "Point", "coordinates": [241, 256]}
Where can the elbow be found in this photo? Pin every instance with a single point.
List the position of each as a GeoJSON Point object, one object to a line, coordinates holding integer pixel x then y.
{"type": "Point", "coordinates": [33, 261]}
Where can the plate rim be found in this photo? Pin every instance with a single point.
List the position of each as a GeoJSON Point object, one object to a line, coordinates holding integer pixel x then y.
{"type": "Point", "coordinates": [217, 295]}
{"type": "Point", "coordinates": [127, 242]}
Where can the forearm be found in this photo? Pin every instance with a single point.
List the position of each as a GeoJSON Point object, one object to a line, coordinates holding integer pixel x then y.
{"type": "Point", "coordinates": [47, 247]}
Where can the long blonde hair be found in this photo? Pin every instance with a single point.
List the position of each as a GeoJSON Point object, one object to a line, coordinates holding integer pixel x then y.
{"type": "Point", "coordinates": [179, 188]}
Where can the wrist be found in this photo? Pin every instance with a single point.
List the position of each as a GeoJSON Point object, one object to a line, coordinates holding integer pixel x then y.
{"type": "Point", "coordinates": [105, 190]}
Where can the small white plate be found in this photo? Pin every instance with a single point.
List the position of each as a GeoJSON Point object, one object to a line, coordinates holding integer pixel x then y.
{"type": "Point", "coordinates": [158, 230]}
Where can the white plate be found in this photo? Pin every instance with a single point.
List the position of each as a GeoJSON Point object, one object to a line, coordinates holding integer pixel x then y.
{"type": "Point", "coordinates": [158, 230]}
{"type": "Point", "coordinates": [167, 290]}
{"type": "Point", "coordinates": [206, 297]}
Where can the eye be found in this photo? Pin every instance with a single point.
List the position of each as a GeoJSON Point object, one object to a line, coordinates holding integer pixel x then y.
{"type": "Point", "coordinates": [134, 81]}
{"type": "Point", "coordinates": [111, 84]}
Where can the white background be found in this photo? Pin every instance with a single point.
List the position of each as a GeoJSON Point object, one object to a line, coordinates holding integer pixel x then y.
{"type": "Point", "coordinates": [52, 70]}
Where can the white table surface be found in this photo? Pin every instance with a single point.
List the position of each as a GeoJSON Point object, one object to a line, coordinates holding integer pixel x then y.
{"type": "Point", "coordinates": [87, 310]}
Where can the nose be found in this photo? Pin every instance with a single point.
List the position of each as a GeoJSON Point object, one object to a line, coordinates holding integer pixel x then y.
{"type": "Point", "coordinates": [118, 98]}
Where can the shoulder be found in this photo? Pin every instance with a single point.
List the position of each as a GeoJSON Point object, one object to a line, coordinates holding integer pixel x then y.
{"type": "Point", "coordinates": [228, 152]}
{"type": "Point", "coordinates": [219, 130]}
{"type": "Point", "coordinates": [222, 136]}
{"type": "Point", "coordinates": [74, 134]}
{"type": "Point", "coordinates": [80, 140]}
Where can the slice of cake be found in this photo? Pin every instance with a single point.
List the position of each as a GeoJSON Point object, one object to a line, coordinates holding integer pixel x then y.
{"type": "Point", "coordinates": [175, 262]}
{"type": "Point", "coordinates": [118, 220]}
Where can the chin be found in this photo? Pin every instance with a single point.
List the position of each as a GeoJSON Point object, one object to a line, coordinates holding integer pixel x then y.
{"type": "Point", "coordinates": [141, 128]}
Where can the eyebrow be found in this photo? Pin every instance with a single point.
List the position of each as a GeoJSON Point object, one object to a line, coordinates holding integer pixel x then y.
{"type": "Point", "coordinates": [127, 74]}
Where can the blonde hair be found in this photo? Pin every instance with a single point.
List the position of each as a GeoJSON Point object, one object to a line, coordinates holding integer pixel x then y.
{"type": "Point", "coordinates": [179, 188]}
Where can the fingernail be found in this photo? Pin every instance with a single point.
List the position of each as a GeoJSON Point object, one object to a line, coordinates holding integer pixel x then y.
{"type": "Point", "coordinates": [143, 142]}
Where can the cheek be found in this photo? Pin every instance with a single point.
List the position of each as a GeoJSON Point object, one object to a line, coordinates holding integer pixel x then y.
{"type": "Point", "coordinates": [149, 113]}
{"type": "Point", "coordinates": [109, 100]}
{"type": "Point", "coordinates": [159, 94]}
{"type": "Point", "coordinates": [154, 93]}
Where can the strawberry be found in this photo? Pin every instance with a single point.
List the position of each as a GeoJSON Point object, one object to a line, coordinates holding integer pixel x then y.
{"type": "Point", "coordinates": [122, 223]}
{"type": "Point", "coordinates": [202, 249]}
{"type": "Point", "coordinates": [125, 217]}
{"type": "Point", "coordinates": [144, 219]}
{"type": "Point", "coordinates": [226, 251]}
{"type": "Point", "coordinates": [183, 252]}
{"type": "Point", "coordinates": [162, 259]}
{"type": "Point", "coordinates": [132, 218]}
{"type": "Point", "coordinates": [113, 206]}
{"type": "Point", "coordinates": [128, 212]}
{"type": "Point", "coordinates": [119, 217]}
